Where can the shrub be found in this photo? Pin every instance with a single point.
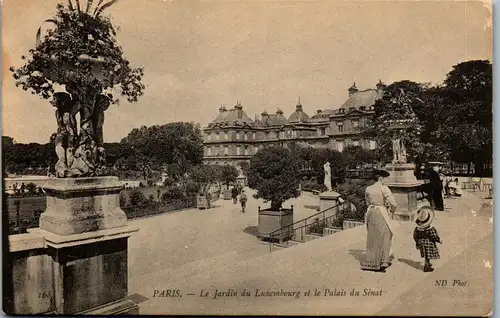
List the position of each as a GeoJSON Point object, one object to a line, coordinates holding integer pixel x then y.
{"type": "Point", "coordinates": [136, 197]}
{"type": "Point", "coordinates": [274, 173]}
{"type": "Point", "coordinates": [173, 193]}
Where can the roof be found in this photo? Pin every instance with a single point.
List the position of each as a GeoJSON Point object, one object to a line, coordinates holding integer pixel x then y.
{"type": "Point", "coordinates": [298, 116]}
{"type": "Point", "coordinates": [365, 98]}
{"type": "Point", "coordinates": [230, 116]}
{"type": "Point", "coordinates": [272, 120]}
{"type": "Point", "coordinates": [322, 116]}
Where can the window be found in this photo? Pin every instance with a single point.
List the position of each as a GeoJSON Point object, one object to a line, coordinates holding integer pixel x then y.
{"type": "Point", "coordinates": [246, 151]}
{"type": "Point", "coordinates": [355, 124]}
{"type": "Point", "coordinates": [217, 136]}
{"type": "Point", "coordinates": [373, 144]}
{"type": "Point", "coordinates": [282, 134]}
{"type": "Point", "coordinates": [226, 150]}
{"type": "Point", "coordinates": [323, 131]}
{"type": "Point", "coordinates": [294, 134]}
{"type": "Point", "coordinates": [209, 151]}
{"type": "Point", "coordinates": [246, 136]}
{"type": "Point", "coordinates": [340, 125]}
{"type": "Point", "coordinates": [237, 135]}
{"type": "Point", "coordinates": [355, 143]}
{"type": "Point", "coordinates": [209, 136]}
{"type": "Point", "coordinates": [226, 135]}
{"type": "Point", "coordinates": [238, 150]}
{"type": "Point", "coordinates": [253, 136]}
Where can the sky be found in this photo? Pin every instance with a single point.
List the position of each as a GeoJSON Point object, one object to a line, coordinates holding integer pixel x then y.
{"type": "Point", "coordinates": [199, 55]}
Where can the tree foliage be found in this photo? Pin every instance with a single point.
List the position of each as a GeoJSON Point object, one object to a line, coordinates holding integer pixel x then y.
{"type": "Point", "coordinates": [176, 146]}
{"type": "Point", "coordinates": [274, 173]}
{"type": "Point", "coordinates": [67, 54]}
{"type": "Point", "coordinates": [227, 174]}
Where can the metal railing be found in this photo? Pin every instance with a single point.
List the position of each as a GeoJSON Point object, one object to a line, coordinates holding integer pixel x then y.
{"type": "Point", "coordinates": [298, 230]}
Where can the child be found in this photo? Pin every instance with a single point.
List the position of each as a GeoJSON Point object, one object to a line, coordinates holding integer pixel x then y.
{"type": "Point", "coordinates": [243, 200]}
{"type": "Point", "coordinates": [426, 237]}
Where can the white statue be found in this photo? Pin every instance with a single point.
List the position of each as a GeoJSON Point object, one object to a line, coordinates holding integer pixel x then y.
{"type": "Point", "coordinates": [398, 151]}
{"type": "Point", "coordinates": [328, 176]}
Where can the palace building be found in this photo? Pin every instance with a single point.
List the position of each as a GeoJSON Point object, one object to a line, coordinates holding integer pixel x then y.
{"type": "Point", "coordinates": [233, 136]}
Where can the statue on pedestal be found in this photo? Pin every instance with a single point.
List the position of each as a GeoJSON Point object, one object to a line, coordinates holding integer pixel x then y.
{"type": "Point", "coordinates": [398, 151]}
{"type": "Point", "coordinates": [79, 154]}
{"type": "Point", "coordinates": [328, 176]}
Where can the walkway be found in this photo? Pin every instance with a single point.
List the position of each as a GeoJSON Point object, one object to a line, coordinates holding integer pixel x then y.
{"type": "Point", "coordinates": [217, 256]}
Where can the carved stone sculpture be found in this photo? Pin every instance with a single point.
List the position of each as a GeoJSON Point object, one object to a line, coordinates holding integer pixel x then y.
{"type": "Point", "coordinates": [80, 154]}
{"type": "Point", "coordinates": [328, 176]}
{"type": "Point", "coordinates": [398, 151]}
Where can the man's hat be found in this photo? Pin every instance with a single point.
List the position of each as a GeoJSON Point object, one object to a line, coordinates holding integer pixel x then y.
{"type": "Point", "coordinates": [425, 216]}
{"type": "Point", "coordinates": [382, 173]}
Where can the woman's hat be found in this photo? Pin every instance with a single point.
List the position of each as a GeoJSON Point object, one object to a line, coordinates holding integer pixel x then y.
{"type": "Point", "coordinates": [425, 216]}
{"type": "Point", "coordinates": [382, 173]}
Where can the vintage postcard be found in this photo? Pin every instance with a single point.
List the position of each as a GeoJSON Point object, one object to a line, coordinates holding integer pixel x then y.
{"type": "Point", "coordinates": [168, 157]}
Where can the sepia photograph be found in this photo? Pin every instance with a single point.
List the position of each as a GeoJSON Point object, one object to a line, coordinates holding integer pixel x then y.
{"type": "Point", "coordinates": [253, 157]}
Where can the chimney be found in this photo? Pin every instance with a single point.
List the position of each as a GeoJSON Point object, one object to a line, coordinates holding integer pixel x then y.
{"type": "Point", "coordinates": [279, 112]}
{"type": "Point", "coordinates": [222, 109]}
{"type": "Point", "coordinates": [353, 89]}
{"type": "Point", "coordinates": [239, 109]}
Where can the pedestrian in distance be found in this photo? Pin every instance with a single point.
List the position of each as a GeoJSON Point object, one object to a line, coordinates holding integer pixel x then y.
{"type": "Point", "coordinates": [426, 237]}
{"type": "Point", "coordinates": [243, 200]}
{"type": "Point", "coordinates": [234, 194]}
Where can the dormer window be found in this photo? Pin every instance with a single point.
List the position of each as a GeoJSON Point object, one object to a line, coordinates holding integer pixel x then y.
{"type": "Point", "coordinates": [341, 111]}
{"type": "Point", "coordinates": [362, 108]}
{"type": "Point", "coordinates": [371, 107]}
{"type": "Point", "coordinates": [355, 124]}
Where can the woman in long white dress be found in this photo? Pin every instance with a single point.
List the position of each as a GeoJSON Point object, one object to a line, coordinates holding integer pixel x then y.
{"type": "Point", "coordinates": [380, 232]}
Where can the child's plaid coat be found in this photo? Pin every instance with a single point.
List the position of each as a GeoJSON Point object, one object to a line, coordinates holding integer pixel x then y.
{"type": "Point", "coordinates": [425, 240]}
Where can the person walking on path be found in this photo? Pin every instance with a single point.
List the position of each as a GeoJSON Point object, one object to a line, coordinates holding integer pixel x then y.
{"type": "Point", "coordinates": [380, 230]}
{"type": "Point", "coordinates": [426, 237]}
{"type": "Point", "coordinates": [234, 194]}
{"type": "Point", "coordinates": [243, 200]}
{"type": "Point", "coordinates": [436, 186]}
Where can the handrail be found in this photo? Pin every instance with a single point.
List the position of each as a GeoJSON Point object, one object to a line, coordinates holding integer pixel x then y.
{"type": "Point", "coordinates": [304, 219]}
{"type": "Point", "coordinates": [291, 226]}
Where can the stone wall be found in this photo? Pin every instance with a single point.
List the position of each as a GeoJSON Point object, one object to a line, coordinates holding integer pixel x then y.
{"type": "Point", "coordinates": [32, 275]}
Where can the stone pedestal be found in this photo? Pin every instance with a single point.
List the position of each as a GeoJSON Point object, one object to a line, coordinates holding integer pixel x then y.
{"type": "Point", "coordinates": [328, 200]}
{"type": "Point", "coordinates": [78, 205]}
{"type": "Point", "coordinates": [86, 236]}
{"type": "Point", "coordinates": [404, 187]}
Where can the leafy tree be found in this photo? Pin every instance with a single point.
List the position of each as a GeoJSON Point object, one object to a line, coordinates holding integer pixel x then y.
{"type": "Point", "coordinates": [176, 146]}
{"type": "Point", "coordinates": [464, 105]}
{"type": "Point", "coordinates": [337, 160]}
{"type": "Point", "coordinates": [274, 173]}
{"type": "Point", "coordinates": [204, 176]}
{"type": "Point", "coordinates": [402, 101]}
{"type": "Point", "coordinates": [357, 156]}
{"type": "Point", "coordinates": [228, 174]}
{"type": "Point", "coordinates": [31, 188]}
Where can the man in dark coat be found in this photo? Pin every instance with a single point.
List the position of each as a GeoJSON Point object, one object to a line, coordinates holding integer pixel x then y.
{"type": "Point", "coordinates": [436, 187]}
{"type": "Point", "coordinates": [234, 195]}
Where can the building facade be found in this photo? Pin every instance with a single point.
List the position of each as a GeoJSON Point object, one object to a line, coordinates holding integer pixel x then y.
{"type": "Point", "coordinates": [233, 136]}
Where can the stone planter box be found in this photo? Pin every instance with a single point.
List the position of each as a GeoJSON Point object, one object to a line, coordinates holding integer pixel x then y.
{"type": "Point", "coordinates": [329, 231]}
{"type": "Point", "coordinates": [270, 221]}
{"type": "Point", "coordinates": [226, 194]}
{"type": "Point", "coordinates": [202, 202]}
{"type": "Point", "coordinates": [312, 236]}
{"type": "Point", "coordinates": [349, 224]}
